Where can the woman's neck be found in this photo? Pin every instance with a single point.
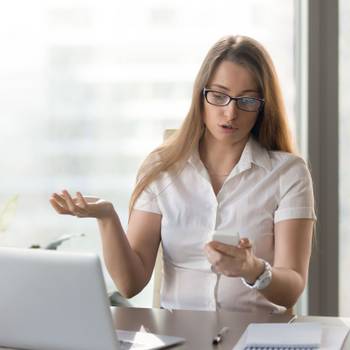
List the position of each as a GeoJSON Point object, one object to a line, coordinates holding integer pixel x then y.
{"type": "Point", "coordinates": [218, 157]}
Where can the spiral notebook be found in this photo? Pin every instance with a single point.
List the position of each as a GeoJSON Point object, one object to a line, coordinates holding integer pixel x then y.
{"type": "Point", "coordinates": [291, 336]}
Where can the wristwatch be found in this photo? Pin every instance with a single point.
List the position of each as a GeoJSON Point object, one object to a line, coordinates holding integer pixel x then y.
{"type": "Point", "coordinates": [263, 280]}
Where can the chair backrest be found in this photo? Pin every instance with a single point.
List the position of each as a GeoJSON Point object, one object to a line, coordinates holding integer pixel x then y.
{"type": "Point", "coordinates": [157, 278]}
{"type": "Point", "coordinates": [158, 268]}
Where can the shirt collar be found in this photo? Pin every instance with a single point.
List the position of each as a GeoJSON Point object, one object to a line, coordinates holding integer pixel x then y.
{"type": "Point", "coordinates": [197, 163]}
{"type": "Point", "coordinates": [253, 153]}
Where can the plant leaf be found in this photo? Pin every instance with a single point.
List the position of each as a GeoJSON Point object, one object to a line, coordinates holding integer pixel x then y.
{"type": "Point", "coordinates": [7, 212]}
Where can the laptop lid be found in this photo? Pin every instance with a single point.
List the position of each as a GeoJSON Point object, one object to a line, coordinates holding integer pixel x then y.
{"type": "Point", "coordinates": [54, 300]}
{"type": "Point", "coordinates": [58, 300]}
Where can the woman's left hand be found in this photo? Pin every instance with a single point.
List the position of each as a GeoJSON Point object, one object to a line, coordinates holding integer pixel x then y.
{"type": "Point", "coordinates": [234, 261]}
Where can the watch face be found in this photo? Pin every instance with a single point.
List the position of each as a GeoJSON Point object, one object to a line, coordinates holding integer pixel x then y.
{"type": "Point", "coordinates": [264, 280]}
{"type": "Point", "coordinates": [264, 283]}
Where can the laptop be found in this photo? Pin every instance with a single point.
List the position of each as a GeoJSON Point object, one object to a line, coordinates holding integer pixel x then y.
{"type": "Point", "coordinates": [53, 300]}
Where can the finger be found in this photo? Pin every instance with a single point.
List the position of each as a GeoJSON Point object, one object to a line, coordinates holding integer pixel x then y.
{"type": "Point", "coordinates": [74, 209]}
{"type": "Point", "coordinates": [69, 200]}
{"type": "Point", "coordinates": [58, 207]}
{"type": "Point", "coordinates": [211, 254]}
{"type": "Point", "coordinates": [225, 265]}
{"type": "Point", "coordinates": [224, 248]}
{"type": "Point", "coordinates": [78, 205]}
{"type": "Point", "coordinates": [81, 201]}
{"type": "Point", "coordinates": [60, 199]}
{"type": "Point", "coordinates": [222, 263]}
{"type": "Point", "coordinates": [245, 243]}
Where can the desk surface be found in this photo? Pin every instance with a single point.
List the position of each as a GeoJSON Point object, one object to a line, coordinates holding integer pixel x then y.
{"type": "Point", "coordinates": [199, 327]}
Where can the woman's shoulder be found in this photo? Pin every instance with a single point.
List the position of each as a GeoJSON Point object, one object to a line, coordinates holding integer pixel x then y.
{"type": "Point", "coordinates": [272, 159]}
{"type": "Point", "coordinates": [281, 157]}
{"type": "Point", "coordinates": [161, 177]}
{"type": "Point", "coordinates": [289, 164]}
{"type": "Point", "coordinates": [289, 167]}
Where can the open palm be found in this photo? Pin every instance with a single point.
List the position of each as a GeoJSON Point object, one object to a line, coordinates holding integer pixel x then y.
{"type": "Point", "coordinates": [80, 206]}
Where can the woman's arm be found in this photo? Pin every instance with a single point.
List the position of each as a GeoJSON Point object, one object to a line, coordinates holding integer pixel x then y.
{"type": "Point", "coordinates": [129, 259]}
{"type": "Point", "coordinates": [293, 241]}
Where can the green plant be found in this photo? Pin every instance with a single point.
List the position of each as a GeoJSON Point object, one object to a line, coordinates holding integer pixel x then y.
{"type": "Point", "coordinates": [7, 212]}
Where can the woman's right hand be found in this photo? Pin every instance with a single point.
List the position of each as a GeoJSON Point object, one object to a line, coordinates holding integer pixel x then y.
{"type": "Point", "coordinates": [80, 206]}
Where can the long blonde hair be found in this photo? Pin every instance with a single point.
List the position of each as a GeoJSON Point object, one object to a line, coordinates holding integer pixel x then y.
{"type": "Point", "coordinates": [270, 130]}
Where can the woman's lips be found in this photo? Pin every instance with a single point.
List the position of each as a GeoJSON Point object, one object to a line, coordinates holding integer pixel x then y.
{"type": "Point", "coordinates": [228, 128]}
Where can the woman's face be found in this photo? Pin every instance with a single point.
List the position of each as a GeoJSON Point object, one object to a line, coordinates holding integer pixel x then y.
{"type": "Point", "coordinates": [230, 124]}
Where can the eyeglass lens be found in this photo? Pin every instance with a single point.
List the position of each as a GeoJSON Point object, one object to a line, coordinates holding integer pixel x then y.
{"type": "Point", "coordinates": [244, 103]}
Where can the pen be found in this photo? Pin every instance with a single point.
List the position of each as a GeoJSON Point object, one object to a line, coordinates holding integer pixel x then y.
{"type": "Point", "coordinates": [218, 338]}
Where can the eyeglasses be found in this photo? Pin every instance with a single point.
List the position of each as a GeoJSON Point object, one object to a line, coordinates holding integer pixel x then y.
{"type": "Point", "coordinates": [244, 103]}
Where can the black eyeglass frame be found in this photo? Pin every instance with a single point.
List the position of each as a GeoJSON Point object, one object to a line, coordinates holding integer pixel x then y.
{"type": "Point", "coordinates": [236, 99]}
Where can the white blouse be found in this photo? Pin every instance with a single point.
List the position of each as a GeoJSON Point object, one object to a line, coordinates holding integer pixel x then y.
{"type": "Point", "coordinates": [265, 187]}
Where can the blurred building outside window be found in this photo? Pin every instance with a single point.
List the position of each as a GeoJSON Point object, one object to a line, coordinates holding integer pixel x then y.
{"type": "Point", "coordinates": [88, 87]}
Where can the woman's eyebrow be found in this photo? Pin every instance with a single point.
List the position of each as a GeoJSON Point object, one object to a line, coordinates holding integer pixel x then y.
{"type": "Point", "coordinates": [221, 87]}
{"type": "Point", "coordinates": [228, 90]}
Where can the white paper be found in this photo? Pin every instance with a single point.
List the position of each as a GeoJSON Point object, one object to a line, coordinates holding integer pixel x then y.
{"type": "Point", "coordinates": [299, 335]}
{"type": "Point", "coordinates": [333, 337]}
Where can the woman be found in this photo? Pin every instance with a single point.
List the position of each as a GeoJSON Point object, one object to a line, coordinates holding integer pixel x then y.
{"type": "Point", "coordinates": [231, 165]}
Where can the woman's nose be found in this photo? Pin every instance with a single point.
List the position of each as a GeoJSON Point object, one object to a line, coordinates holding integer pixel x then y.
{"type": "Point", "coordinates": [231, 110]}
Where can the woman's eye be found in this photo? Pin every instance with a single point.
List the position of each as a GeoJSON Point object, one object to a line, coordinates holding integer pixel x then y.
{"type": "Point", "coordinates": [219, 96]}
{"type": "Point", "coordinates": [248, 101]}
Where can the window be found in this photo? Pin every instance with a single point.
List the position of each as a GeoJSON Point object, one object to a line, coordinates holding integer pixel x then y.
{"type": "Point", "coordinates": [87, 88]}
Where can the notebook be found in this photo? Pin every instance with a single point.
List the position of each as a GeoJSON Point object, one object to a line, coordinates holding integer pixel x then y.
{"type": "Point", "coordinates": [58, 301]}
{"type": "Point", "coordinates": [290, 336]}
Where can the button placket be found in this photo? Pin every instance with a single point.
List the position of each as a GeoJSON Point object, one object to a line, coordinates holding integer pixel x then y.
{"type": "Point", "coordinates": [215, 287]}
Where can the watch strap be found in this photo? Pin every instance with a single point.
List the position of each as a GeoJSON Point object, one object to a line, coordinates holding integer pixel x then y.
{"type": "Point", "coordinates": [263, 280]}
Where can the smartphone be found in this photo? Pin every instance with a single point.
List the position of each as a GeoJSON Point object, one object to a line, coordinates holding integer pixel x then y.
{"type": "Point", "coordinates": [226, 236]}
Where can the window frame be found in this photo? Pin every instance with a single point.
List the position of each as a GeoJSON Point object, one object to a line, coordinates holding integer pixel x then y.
{"type": "Point", "coordinates": [322, 149]}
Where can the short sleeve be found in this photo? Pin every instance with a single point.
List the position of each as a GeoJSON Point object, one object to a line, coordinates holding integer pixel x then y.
{"type": "Point", "coordinates": [296, 200]}
{"type": "Point", "coordinates": [147, 201]}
